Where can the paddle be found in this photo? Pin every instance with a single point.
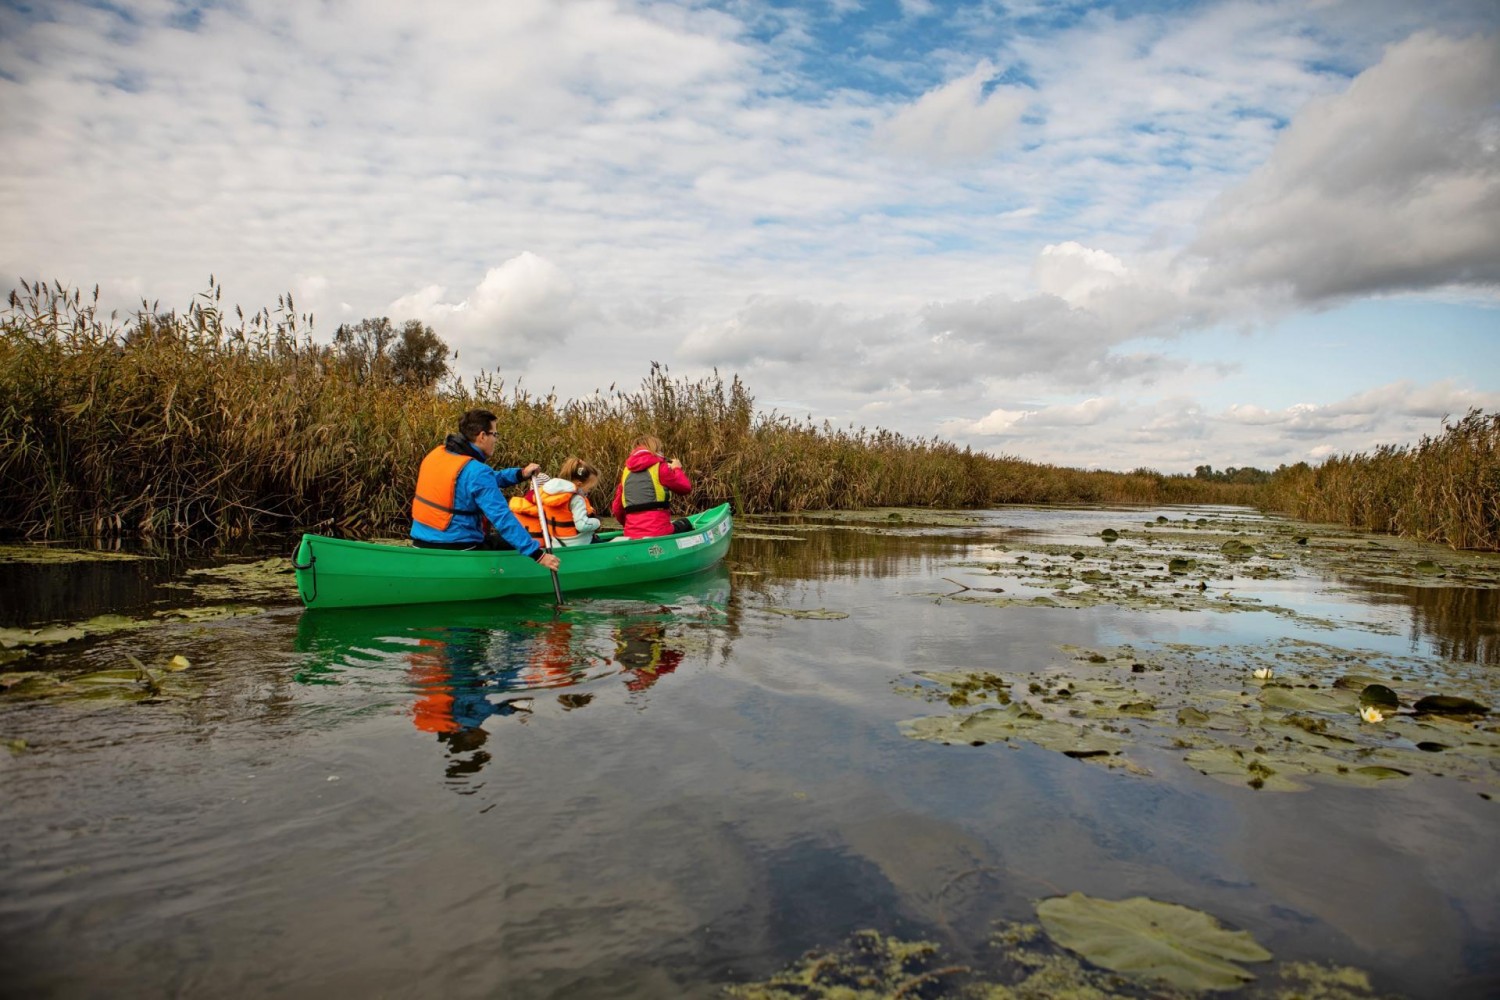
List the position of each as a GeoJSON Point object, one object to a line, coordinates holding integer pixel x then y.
{"type": "Point", "coordinates": [536, 492]}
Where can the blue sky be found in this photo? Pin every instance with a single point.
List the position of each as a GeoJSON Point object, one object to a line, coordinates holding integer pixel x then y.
{"type": "Point", "coordinates": [1099, 234]}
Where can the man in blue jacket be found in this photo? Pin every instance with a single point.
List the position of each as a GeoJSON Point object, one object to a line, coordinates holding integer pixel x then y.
{"type": "Point", "coordinates": [459, 503]}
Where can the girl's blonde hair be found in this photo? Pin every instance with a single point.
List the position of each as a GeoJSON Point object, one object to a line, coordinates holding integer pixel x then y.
{"type": "Point", "coordinates": [577, 470]}
{"type": "Point", "coordinates": [650, 442]}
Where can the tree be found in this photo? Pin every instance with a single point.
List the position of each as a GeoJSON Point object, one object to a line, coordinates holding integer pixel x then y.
{"type": "Point", "coordinates": [420, 358]}
{"type": "Point", "coordinates": [362, 348]}
{"type": "Point", "coordinates": [373, 350]}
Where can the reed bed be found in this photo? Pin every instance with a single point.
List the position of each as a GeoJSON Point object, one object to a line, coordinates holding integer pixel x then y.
{"type": "Point", "coordinates": [196, 422]}
{"type": "Point", "coordinates": [1444, 489]}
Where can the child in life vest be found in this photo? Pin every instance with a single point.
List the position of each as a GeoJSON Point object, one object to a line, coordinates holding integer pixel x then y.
{"type": "Point", "coordinates": [575, 479]}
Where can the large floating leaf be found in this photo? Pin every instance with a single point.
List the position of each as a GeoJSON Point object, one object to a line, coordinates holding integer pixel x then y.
{"type": "Point", "coordinates": [1139, 936]}
{"type": "Point", "coordinates": [1300, 699]}
{"type": "Point", "coordinates": [1379, 696]}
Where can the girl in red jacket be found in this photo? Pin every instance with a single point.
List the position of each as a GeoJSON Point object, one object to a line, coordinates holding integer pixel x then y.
{"type": "Point", "coordinates": [642, 501]}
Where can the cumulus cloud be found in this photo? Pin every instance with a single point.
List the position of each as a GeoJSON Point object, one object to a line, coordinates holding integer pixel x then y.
{"type": "Point", "coordinates": [956, 122]}
{"type": "Point", "coordinates": [1400, 401]}
{"type": "Point", "coordinates": [1392, 185]}
{"type": "Point", "coordinates": [1001, 421]}
{"type": "Point", "coordinates": [518, 311]}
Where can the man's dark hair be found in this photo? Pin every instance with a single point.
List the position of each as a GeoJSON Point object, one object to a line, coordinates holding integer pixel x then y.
{"type": "Point", "coordinates": [475, 423]}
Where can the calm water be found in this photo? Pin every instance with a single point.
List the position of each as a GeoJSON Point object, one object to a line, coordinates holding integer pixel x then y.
{"type": "Point", "coordinates": [655, 794]}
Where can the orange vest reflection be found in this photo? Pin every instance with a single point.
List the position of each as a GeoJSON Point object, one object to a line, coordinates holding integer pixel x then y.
{"type": "Point", "coordinates": [641, 650]}
{"type": "Point", "coordinates": [551, 662]}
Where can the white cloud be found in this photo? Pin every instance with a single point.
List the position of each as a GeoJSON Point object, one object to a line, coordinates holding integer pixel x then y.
{"type": "Point", "coordinates": [1002, 421]}
{"type": "Point", "coordinates": [1396, 401]}
{"type": "Point", "coordinates": [1393, 184]}
{"type": "Point", "coordinates": [520, 310]}
{"type": "Point", "coordinates": [1075, 273]}
{"type": "Point", "coordinates": [955, 122]}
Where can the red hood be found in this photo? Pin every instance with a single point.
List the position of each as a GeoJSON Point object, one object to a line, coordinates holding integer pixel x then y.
{"type": "Point", "coordinates": [641, 460]}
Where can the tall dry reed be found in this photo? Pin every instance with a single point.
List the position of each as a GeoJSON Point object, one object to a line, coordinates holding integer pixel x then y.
{"type": "Point", "coordinates": [195, 422]}
{"type": "Point", "coordinates": [1444, 489]}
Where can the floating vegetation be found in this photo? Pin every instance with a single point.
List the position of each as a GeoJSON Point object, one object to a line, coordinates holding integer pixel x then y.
{"type": "Point", "coordinates": [913, 517]}
{"type": "Point", "coordinates": [14, 554]}
{"type": "Point", "coordinates": [815, 614]}
{"type": "Point", "coordinates": [870, 967]}
{"type": "Point", "coordinates": [1310, 722]}
{"type": "Point", "coordinates": [1169, 566]}
{"type": "Point", "coordinates": [267, 579]}
{"type": "Point", "coordinates": [1144, 937]}
{"type": "Point", "coordinates": [137, 683]}
{"type": "Point", "coordinates": [50, 635]}
{"type": "Point", "coordinates": [1136, 948]}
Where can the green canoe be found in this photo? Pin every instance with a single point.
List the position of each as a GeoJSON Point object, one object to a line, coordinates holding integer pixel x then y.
{"type": "Point", "coordinates": [334, 573]}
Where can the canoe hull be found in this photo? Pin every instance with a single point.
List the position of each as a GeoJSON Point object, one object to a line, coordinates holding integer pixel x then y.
{"type": "Point", "coordinates": [335, 573]}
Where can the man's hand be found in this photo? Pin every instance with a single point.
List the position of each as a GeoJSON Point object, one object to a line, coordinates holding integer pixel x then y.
{"type": "Point", "coordinates": [530, 469]}
{"type": "Point", "coordinates": [549, 560]}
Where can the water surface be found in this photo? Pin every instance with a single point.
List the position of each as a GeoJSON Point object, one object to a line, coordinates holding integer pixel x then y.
{"type": "Point", "coordinates": [663, 792]}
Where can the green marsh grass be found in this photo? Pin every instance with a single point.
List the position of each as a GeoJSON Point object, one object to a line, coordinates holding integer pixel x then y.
{"type": "Point", "coordinates": [202, 423]}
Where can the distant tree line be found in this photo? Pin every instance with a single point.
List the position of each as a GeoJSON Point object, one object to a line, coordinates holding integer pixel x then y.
{"type": "Point", "coordinates": [1249, 475]}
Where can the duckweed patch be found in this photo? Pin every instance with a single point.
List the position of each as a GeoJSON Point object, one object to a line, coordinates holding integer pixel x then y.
{"type": "Point", "coordinates": [1205, 705]}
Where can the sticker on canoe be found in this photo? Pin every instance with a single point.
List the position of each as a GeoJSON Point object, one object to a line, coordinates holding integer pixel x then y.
{"type": "Point", "coordinates": [717, 531]}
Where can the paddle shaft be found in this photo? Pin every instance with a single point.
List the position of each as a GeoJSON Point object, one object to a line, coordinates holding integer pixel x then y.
{"type": "Point", "coordinates": [536, 491]}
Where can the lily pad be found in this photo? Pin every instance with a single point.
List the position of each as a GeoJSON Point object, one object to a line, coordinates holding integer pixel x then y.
{"type": "Point", "coordinates": [1237, 548]}
{"type": "Point", "coordinates": [1182, 565]}
{"type": "Point", "coordinates": [1429, 568]}
{"type": "Point", "coordinates": [246, 581]}
{"type": "Point", "coordinates": [815, 614]}
{"type": "Point", "coordinates": [1379, 696]}
{"type": "Point", "coordinates": [1109, 535]}
{"type": "Point", "coordinates": [1307, 699]}
{"type": "Point", "coordinates": [52, 634]}
{"type": "Point", "coordinates": [1184, 947]}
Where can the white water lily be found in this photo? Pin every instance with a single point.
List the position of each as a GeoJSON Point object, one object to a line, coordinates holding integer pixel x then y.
{"type": "Point", "coordinates": [1371, 714]}
{"type": "Point", "coordinates": [1262, 673]}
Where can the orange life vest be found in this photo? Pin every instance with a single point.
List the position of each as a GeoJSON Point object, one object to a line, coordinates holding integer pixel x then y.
{"type": "Point", "coordinates": [559, 513]}
{"type": "Point", "coordinates": [437, 480]}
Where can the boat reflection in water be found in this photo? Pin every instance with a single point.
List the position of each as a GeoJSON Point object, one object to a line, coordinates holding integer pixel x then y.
{"type": "Point", "coordinates": [455, 666]}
